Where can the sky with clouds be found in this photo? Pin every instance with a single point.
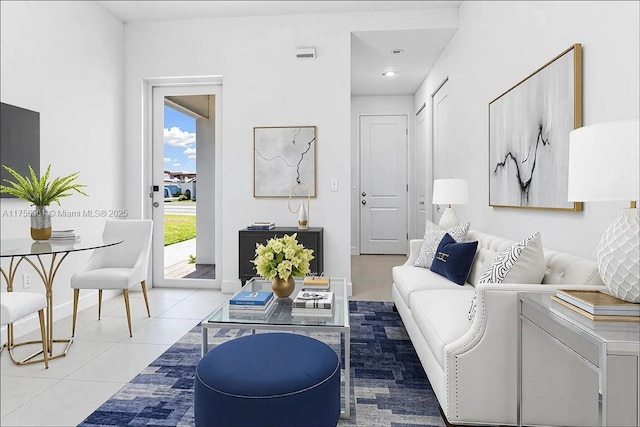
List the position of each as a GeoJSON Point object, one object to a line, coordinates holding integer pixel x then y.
{"type": "Point", "coordinates": [179, 141]}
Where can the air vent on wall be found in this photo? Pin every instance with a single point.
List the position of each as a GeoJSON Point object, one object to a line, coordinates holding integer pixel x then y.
{"type": "Point", "coordinates": [306, 53]}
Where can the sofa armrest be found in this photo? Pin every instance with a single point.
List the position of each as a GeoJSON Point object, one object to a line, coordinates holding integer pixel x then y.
{"type": "Point", "coordinates": [482, 365]}
{"type": "Point", "coordinates": [414, 251]}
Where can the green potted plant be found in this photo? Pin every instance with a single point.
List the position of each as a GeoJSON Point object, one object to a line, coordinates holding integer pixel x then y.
{"type": "Point", "coordinates": [280, 260]}
{"type": "Point", "coordinates": [41, 192]}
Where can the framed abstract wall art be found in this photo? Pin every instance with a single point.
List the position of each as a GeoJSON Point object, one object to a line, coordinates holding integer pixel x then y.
{"type": "Point", "coordinates": [529, 128]}
{"type": "Point", "coordinates": [284, 157]}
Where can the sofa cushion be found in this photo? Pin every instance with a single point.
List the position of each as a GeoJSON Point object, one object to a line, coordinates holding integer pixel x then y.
{"type": "Point", "coordinates": [409, 279]}
{"type": "Point", "coordinates": [433, 234]}
{"type": "Point", "coordinates": [453, 259]}
{"type": "Point", "coordinates": [438, 314]}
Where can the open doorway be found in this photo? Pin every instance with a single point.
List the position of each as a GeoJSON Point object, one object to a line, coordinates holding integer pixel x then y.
{"type": "Point", "coordinates": [184, 128]}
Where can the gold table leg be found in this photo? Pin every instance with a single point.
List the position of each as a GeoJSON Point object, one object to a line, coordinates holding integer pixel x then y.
{"type": "Point", "coordinates": [47, 275]}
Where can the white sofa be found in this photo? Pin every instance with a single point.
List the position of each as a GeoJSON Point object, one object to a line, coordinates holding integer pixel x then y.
{"type": "Point", "coordinates": [472, 365]}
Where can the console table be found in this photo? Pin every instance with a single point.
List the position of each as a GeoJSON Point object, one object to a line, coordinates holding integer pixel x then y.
{"type": "Point", "coordinates": [311, 238]}
{"type": "Point", "coordinates": [574, 371]}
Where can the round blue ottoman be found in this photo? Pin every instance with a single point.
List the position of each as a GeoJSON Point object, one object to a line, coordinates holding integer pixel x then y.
{"type": "Point", "coordinates": [268, 380]}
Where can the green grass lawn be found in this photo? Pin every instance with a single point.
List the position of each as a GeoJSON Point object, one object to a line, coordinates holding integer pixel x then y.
{"type": "Point", "coordinates": [178, 228]}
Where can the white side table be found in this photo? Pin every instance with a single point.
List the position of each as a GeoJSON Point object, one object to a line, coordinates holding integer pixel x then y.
{"type": "Point", "coordinates": [573, 371]}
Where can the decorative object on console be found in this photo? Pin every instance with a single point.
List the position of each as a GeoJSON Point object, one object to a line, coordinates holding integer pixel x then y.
{"type": "Point", "coordinates": [453, 259]}
{"type": "Point", "coordinates": [603, 166]}
{"type": "Point", "coordinates": [283, 157]}
{"type": "Point", "coordinates": [303, 213]}
{"type": "Point", "coordinates": [597, 305]}
{"type": "Point", "coordinates": [529, 129]}
{"type": "Point", "coordinates": [432, 237]}
{"type": "Point", "coordinates": [450, 192]}
{"type": "Point", "coordinates": [41, 192]}
{"type": "Point", "coordinates": [280, 260]}
{"type": "Point", "coordinates": [262, 225]}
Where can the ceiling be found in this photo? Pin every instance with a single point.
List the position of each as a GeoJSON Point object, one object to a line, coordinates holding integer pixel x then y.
{"type": "Point", "coordinates": [370, 51]}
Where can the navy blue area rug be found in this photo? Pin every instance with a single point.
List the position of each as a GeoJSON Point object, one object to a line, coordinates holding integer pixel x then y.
{"type": "Point", "coordinates": [388, 385]}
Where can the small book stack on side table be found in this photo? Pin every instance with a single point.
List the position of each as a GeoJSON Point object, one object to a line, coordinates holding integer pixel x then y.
{"type": "Point", "coordinates": [598, 305]}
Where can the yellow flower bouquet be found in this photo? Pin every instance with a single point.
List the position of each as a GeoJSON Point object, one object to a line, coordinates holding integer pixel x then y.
{"type": "Point", "coordinates": [282, 257]}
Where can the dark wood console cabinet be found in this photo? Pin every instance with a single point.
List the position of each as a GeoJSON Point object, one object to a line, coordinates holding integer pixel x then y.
{"type": "Point", "coordinates": [311, 239]}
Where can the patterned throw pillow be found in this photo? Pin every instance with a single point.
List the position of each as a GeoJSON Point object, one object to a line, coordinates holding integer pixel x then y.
{"type": "Point", "coordinates": [521, 263]}
{"type": "Point", "coordinates": [432, 237]}
{"type": "Point", "coordinates": [453, 259]}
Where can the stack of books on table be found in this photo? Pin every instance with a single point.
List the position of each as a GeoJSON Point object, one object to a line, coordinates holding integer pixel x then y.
{"type": "Point", "coordinates": [598, 305]}
{"type": "Point", "coordinates": [262, 225]}
{"type": "Point", "coordinates": [313, 303]}
{"type": "Point", "coordinates": [252, 304]}
{"type": "Point", "coordinates": [316, 283]}
{"type": "Point", "coordinates": [63, 236]}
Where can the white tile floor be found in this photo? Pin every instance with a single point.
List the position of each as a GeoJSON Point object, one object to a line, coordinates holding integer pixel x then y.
{"type": "Point", "coordinates": [102, 359]}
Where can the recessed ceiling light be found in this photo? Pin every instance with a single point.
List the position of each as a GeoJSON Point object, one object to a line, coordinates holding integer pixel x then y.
{"type": "Point", "coordinates": [390, 73]}
{"type": "Point", "coordinates": [397, 51]}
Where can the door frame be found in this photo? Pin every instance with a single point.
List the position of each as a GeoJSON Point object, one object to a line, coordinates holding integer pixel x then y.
{"type": "Point", "coordinates": [434, 211]}
{"type": "Point", "coordinates": [210, 85]}
{"type": "Point", "coordinates": [359, 171]}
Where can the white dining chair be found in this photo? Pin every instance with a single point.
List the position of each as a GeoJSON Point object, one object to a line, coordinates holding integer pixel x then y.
{"type": "Point", "coordinates": [119, 266]}
{"type": "Point", "coordinates": [18, 305]}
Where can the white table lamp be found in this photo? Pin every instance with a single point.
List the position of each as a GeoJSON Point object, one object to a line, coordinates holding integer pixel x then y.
{"type": "Point", "coordinates": [450, 192]}
{"type": "Point", "coordinates": [604, 164]}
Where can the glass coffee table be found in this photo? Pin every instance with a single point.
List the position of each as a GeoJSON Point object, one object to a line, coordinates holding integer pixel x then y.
{"type": "Point", "coordinates": [280, 318]}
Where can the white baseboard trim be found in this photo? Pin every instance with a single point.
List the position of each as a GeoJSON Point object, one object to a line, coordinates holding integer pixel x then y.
{"type": "Point", "coordinates": [231, 286]}
{"type": "Point", "coordinates": [31, 323]}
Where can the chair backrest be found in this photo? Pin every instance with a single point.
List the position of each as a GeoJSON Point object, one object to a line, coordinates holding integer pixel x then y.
{"type": "Point", "coordinates": [136, 246]}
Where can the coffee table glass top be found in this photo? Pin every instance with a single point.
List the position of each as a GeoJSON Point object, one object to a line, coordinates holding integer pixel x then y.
{"type": "Point", "coordinates": [281, 313]}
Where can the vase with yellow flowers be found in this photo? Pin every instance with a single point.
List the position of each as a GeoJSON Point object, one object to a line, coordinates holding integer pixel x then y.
{"type": "Point", "coordinates": [280, 260]}
{"type": "Point", "coordinates": [41, 192]}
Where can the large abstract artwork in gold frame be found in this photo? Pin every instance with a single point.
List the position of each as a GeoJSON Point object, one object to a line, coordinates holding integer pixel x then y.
{"type": "Point", "coordinates": [529, 128]}
{"type": "Point", "coordinates": [284, 157]}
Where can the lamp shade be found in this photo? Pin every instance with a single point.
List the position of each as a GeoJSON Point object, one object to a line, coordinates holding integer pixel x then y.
{"type": "Point", "coordinates": [604, 162]}
{"type": "Point", "coordinates": [450, 191]}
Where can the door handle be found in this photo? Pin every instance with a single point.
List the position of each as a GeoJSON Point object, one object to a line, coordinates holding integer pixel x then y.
{"type": "Point", "coordinates": [364, 202]}
{"type": "Point", "coordinates": [156, 204]}
{"type": "Point", "coordinates": [364, 194]}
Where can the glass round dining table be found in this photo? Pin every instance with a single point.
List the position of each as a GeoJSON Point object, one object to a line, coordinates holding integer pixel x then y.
{"type": "Point", "coordinates": [25, 249]}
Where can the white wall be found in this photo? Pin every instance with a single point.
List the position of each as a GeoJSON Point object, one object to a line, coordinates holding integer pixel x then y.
{"type": "Point", "coordinates": [64, 60]}
{"type": "Point", "coordinates": [379, 105]}
{"type": "Point", "coordinates": [500, 43]}
{"type": "Point", "coordinates": [263, 85]}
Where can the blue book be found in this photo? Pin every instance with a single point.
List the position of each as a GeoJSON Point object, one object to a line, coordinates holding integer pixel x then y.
{"type": "Point", "coordinates": [251, 298]}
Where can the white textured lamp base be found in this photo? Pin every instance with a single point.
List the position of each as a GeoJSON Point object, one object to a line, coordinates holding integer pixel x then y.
{"type": "Point", "coordinates": [449, 219]}
{"type": "Point", "coordinates": [619, 257]}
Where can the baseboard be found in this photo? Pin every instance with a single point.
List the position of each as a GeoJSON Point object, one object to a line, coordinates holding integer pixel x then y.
{"type": "Point", "coordinates": [31, 323]}
{"type": "Point", "coordinates": [231, 286]}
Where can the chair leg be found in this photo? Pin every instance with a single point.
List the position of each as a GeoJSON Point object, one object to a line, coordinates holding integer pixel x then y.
{"type": "Point", "coordinates": [144, 293]}
{"type": "Point", "coordinates": [76, 294]}
{"type": "Point", "coordinates": [125, 292]}
{"type": "Point", "coordinates": [99, 303]}
{"type": "Point", "coordinates": [43, 333]}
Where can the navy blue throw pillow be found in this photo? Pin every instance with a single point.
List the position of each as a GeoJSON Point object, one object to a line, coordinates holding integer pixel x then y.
{"type": "Point", "coordinates": [453, 260]}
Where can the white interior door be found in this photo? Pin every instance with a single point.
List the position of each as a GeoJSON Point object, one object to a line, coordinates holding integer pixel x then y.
{"type": "Point", "coordinates": [441, 150]}
{"type": "Point", "coordinates": [383, 184]}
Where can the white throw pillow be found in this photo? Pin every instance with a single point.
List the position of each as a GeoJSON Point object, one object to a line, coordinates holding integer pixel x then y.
{"type": "Point", "coordinates": [432, 236]}
{"type": "Point", "coordinates": [521, 263]}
